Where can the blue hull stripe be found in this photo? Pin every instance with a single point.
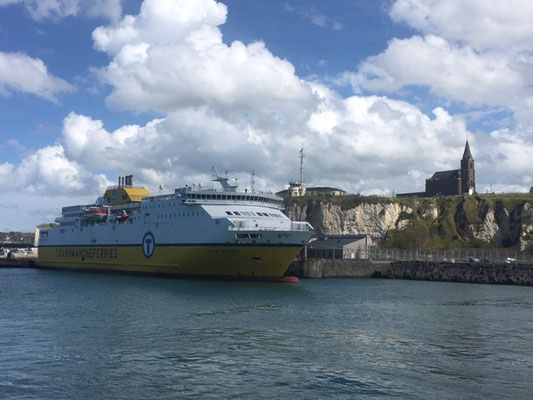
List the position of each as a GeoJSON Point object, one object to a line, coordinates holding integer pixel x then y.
{"type": "Point", "coordinates": [180, 245]}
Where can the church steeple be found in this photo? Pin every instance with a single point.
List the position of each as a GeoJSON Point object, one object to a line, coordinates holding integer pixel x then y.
{"type": "Point", "coordinates": [467, 154]}
{"type": "Point", "coordinates": [468, 173]}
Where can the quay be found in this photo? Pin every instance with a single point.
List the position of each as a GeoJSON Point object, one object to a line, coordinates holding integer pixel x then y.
{"type": "Point", "coordinates": [466, 272]}
{"type": "Point", "coordinates": [18, 263]}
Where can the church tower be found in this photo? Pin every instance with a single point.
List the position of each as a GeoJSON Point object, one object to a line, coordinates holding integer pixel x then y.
{"type": "Point", "coordinates": [468, 173]}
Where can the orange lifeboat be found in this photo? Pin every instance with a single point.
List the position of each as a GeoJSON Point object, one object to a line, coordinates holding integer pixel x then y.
{"type": "Point", "coordinates": [95, 213]}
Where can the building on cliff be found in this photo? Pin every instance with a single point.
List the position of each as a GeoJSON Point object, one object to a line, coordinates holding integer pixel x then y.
{"type": "Point", "coordinates": [295, 191]}
{"type": "Point", "coordinates": [298, 189]}
{"type": "Point", "coordinates": [452, 182]}
{"type": "Point", "coordinates": [338, 247]}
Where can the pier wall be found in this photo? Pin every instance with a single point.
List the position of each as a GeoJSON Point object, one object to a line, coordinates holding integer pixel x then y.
{"type": "Point", "coordinates": [18, 263]}
{"type": "Point", "coordinates": [506, 274]}
{"type": "Point", "coordinates": [324, 268]}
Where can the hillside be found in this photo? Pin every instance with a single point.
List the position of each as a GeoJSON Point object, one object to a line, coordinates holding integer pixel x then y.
{"type": "Point", "coordinates": [17, 237]}
{"type": "Point", "coordinates": [429, 223]}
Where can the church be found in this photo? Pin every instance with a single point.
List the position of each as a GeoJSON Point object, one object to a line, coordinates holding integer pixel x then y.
{"type": "Point", "coordinates": [452, 182]}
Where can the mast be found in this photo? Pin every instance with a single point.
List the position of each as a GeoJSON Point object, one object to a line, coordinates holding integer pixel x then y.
{"type": "Point", "coordinates": [302, 168]}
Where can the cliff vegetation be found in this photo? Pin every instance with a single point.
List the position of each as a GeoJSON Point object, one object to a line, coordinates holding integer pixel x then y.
{"type": "Point", "coordinates": [504, 220]}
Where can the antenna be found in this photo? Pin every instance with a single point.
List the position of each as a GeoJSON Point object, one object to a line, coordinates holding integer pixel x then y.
{"type": "Point", "coordinates": [252, 181]}
{"type": "Point", "coordinates": [302, 166]}
{"type": "Point", "coordinates": [224, 180]}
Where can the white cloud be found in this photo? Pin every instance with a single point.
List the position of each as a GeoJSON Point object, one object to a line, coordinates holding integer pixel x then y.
{"type": "Point", "coordinates": [21, 73]}
{"type": "Point", "coordinates": [47, 171]}
{"type": "Point", "coordinates": [316, 18]}
{"type": "Point", "coordinates": [483, 24]}
{"type": "Point", "coordinates": [171, 55]}
{"type": "Point", "coordinates": [161, 22]}
{"type": "Point", "coordinates": [16, 144]}
{"type": "Point", "coordinates": [449, 70]}
{"type": "Point", "coordinates": [111, 9]}
{"type": "Point", "coordinates": [56, 9]}
{"type": "Point", "coordinates": [475, 52]}
{"type": "Point", "coordinates": [128, 148]}
{"type": "Point", "coordinates": [369, 144]}
{"type": "Point", "coordinates": [24, 211]}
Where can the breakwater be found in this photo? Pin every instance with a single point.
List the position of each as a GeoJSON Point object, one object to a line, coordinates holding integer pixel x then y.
{"type": "Point", "coordinates": [18, 263]}
{"type": "Point", "coordinates": [505, 274]}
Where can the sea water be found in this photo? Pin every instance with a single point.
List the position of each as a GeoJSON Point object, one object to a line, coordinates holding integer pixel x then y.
{"type": "Point", "coordinates": [74, 335]}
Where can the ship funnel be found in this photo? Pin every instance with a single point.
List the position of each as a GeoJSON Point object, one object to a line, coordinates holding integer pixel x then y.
{"type": "Point", "coordinates": [125, 180]}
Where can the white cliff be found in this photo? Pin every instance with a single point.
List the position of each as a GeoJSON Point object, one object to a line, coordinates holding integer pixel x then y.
{"type": "Point", "coordinates": [371, 219]}
{"type": "Point", "coordinates": [486, 221]}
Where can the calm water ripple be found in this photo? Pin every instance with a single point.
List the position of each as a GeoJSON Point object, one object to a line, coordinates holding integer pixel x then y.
{"type": "Point", "coordinates": [70, 335]}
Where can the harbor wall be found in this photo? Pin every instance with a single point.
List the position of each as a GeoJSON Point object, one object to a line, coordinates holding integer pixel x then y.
{"type": "Point", "coordinates": [503, 274]}
{"type": "Point", "coordinates": [506, 274]}
{"type": "Point", "coordinates": [324, 268]}
{"type": "Point", "coordinates": [18, 263]}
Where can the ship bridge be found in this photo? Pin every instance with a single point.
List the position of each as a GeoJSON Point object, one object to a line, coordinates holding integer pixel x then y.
{"type": "Point", "coordinates": [211, 196]}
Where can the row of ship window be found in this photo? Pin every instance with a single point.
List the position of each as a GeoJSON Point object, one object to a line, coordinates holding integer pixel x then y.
{"type": "Point", "coordinates": [175, 215]}
{"type": "Point", "coordinates": [254, 214]}
{"type": "Point", "coordinates": [217, 197]}
{"type": "Point", "coordinates": [236, 213]}
{"type": "Point", "coordinates": [230, 197]}
{"type": "Point", "coordinates": [160, 205]}
{"type": "Point", "coordinates": [67, 223]}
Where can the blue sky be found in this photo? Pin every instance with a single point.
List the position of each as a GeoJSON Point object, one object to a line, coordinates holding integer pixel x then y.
{"type": "Point", "coordinates": [380, 93]}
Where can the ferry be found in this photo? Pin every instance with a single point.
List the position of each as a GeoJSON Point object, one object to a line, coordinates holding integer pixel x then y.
{"type": "Point", "coordinates": [193, 232]}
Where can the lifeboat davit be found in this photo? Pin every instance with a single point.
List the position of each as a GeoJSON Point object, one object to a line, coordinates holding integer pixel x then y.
{"type": "Point", "coordinates": [95, 213]}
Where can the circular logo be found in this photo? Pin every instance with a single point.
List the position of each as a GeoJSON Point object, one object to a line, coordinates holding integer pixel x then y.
{"type": "Point", "coordinates": [148, 244]}
{"type": "Point", "coordinates": [114, 195]}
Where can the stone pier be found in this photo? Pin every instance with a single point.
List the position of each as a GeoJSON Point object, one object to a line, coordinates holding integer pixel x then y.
{"type": "Point", "coordinates": [505, 274]}
{"type": "Point", "coordinates": [324, 268]}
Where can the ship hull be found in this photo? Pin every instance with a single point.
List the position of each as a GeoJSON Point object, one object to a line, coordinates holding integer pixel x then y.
{"type": "Point", "coordinates": [223, 261]}
{"type": "Point", "coordinates": [189, 233]}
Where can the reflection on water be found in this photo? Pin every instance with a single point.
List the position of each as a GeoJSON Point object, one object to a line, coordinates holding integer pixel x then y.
{"type": "Point", "coordinates": [70, 335]}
